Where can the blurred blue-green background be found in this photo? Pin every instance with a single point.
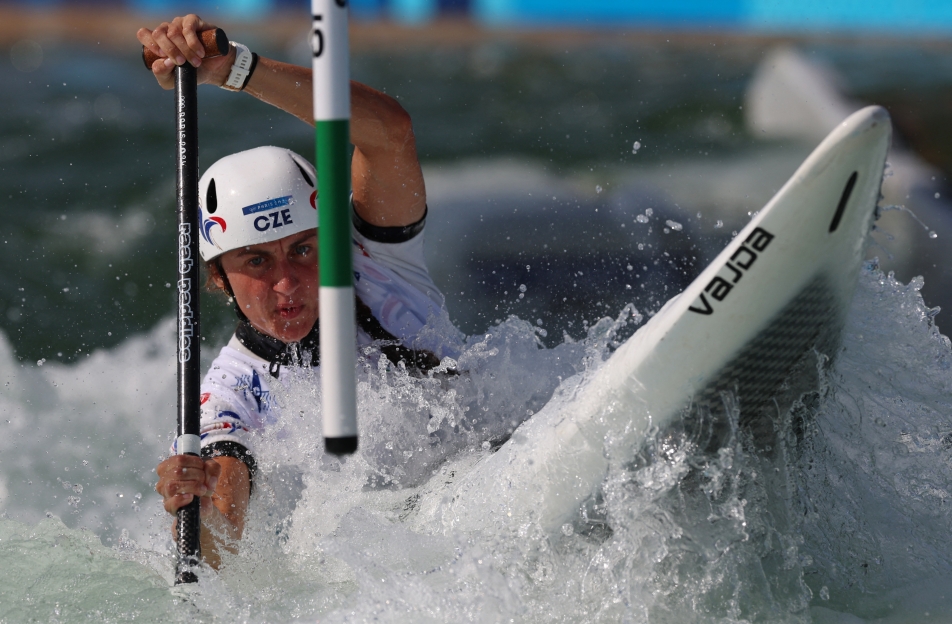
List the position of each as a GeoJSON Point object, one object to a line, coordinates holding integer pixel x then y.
{"type": "Point", "coordinates": [558, 140]}
{"type": "Point", "coordinates": [932, 16]}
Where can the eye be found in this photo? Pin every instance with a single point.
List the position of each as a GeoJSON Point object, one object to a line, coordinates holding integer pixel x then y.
{"type": "Point", "coordinates": [256, 261]}
{"type": "Point", "coordinates": [302, 250]}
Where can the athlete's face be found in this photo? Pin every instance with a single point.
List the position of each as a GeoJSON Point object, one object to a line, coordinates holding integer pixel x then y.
{"type": "Point", "coordinates": [276, 284]}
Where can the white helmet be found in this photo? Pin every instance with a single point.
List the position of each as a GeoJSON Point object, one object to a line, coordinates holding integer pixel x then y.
{"type": "Point", "coordinates": [256, 196]}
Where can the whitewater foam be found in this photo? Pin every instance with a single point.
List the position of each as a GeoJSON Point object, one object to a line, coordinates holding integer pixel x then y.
{"type": "Point", "coordinates": [846, 521]}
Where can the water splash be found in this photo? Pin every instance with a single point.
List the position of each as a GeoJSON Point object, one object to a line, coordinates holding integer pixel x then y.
{"type": "Point", "coordinates": [845, 518]}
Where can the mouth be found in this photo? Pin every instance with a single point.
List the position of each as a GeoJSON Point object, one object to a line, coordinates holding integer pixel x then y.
{"type": "Point", "coordinates": [289, 312]}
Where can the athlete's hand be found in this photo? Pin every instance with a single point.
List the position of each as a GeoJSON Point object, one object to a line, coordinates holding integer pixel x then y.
{"type": "Point", "coordinates": [183, 477]}
{"type": "Point", "coordinates": [177, 43]}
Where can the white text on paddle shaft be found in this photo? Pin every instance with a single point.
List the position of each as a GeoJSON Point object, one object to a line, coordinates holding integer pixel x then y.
{"type": "Point", "coordinates": [182, 144]}
{"type": "Point", "coordinates": [186, 319]}
{"type": "Point", "coordinates": [732, 272]}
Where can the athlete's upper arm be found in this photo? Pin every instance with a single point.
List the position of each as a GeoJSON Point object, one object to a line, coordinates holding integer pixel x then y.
{"type": "Point", "coordinates": [386, 175]}
{"type": "Point", "coordinates": [385, 172]}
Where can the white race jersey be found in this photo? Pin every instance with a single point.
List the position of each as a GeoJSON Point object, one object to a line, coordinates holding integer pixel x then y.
{"type": "Point", "coordinates": [391, 278]}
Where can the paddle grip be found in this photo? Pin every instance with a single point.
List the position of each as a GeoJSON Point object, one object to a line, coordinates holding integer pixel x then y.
{"type": "Point", "coordinates": [214, 41]}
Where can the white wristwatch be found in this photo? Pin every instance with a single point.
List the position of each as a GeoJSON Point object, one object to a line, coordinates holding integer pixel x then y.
{"type": "Point", "coordinates": [245, 61]}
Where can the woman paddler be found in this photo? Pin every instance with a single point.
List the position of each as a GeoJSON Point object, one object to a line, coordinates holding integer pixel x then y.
{"type": "Point", "coordinates": [259, 244]}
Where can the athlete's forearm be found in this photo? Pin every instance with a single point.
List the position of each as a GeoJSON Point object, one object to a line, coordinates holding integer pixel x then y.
{"type": "Point", "coordinates": [218, 534]}
{"type": "Point", "coordinates": [224, 522]}
{"type": "Point", "coordinates": [378, 122]}
{"type": "Point", "coordinates": [285, 86]}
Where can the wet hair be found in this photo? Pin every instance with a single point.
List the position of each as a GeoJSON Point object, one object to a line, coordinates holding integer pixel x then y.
{"type": "Point", "coordinates": [213, 267]}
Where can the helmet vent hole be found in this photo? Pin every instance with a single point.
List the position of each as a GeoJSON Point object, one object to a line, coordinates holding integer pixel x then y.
{"type": "Point", "coordinates": [307, 178]}
{"type": "Point", "coordinates": [211, 197]}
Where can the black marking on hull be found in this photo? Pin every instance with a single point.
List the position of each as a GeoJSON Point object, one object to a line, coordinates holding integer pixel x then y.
{"type": "Point", "coordinates": [707, 309]}
{"type": "Point", "coordinates": [771, 371]}
{"type": "Point", "coordinates": [844, 198]}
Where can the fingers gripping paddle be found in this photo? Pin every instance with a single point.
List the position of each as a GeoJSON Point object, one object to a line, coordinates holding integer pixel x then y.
{"type": "Point", "coordinates": [189, 371]}
{"type": "Point", "coordinates": [331, 66]}
{"type": "Point", "coordinates": [214, 41]}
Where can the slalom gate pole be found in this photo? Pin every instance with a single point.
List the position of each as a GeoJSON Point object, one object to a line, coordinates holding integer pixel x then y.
{"type": "Point", "coordinates": [188, 282]}
{"type": "Point", "coordinates": [331, 81]}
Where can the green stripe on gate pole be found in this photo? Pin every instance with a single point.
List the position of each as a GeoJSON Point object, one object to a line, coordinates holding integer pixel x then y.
{"type": "Point", "coordinates": [333, 173]}
{"type": "Point", "coordinates": [331, 79]}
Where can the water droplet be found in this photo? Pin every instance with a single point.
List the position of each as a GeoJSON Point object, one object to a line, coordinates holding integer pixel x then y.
{"type": "Point", "coordinates": [598, 188]}
{"type": "Point", "coordinates": [641, 218]}
{"type": "Point", "coordinates": [719, 224]}
{"type": "Point", "coordinates": [522, 288]}
{"type": "Point", "coordinates": [932, 234]}
{"type": "Point", "coordinates": [635, 147]}
{"type": "Point", "coordinates": [567, 529]}
{"type": "Point", "coordinates": [938, 195]}
{"type": "Point", "coordinates": [649, 212]}
{"type": "Point", "coordinates": [824, 593]}
{"type": "Point", "coordinates": [674, 225]}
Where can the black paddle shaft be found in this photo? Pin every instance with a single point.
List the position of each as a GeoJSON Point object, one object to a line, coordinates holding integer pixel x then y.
{"type": "Point", "coordinates": [189, 371]}
{"type": "Point", "coordinates": [215, 43]}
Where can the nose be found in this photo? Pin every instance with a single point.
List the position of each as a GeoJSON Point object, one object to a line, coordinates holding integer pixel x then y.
{"type": "Point", "coordinates": [286, 280]}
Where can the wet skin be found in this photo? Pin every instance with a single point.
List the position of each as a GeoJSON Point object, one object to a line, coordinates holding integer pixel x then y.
{"type": "Point", "coordinates": [276, 284]}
